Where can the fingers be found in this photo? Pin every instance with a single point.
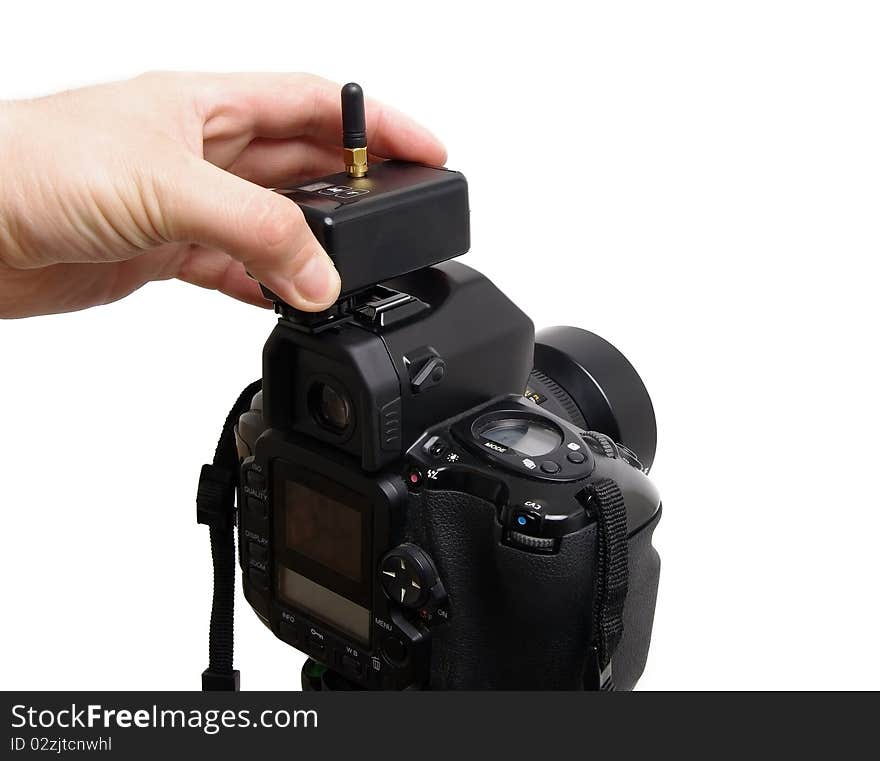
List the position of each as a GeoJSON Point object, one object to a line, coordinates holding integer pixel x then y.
{"type": "Point", "coordinates": [217, 271]}
{"type": "Point", "coordinates": [56, 288]}
{"type": "Point", "coordinates": [200, 203]}
{"type": "Point", "coordinates": [67, 287]}
{"type": "Point", "coordinates": [286, 163]}
{"type": "Point", "coordinates": [282, 106]}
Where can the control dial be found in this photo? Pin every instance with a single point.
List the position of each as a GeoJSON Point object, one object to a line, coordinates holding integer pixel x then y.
{"type": "Point", "coordinates": [408, 576]}
{"type": "Point", "coordinates": [601, 444]}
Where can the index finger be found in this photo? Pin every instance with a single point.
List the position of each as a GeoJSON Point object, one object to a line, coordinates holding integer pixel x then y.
{"type": "Point", "coordinates": [283, 106]}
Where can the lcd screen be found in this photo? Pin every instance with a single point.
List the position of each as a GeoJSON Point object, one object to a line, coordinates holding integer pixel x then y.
{"type": "Point", "coordinates": [324, 604]}
{"type": "Point", "coordinates": [324, 530]}
{"type": "Point", "coordinates": [525, 436]}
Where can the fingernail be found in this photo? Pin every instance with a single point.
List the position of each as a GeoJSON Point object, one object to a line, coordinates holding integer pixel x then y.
{"type": "Point", "coordinates": [318, 280]}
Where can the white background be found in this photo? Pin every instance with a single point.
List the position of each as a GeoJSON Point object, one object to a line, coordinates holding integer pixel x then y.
{"type": "Point", "coordinates": [697, 182]}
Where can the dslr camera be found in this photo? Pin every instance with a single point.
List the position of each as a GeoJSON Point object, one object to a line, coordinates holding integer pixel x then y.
{"type": "Point", "coordinates": [426, 494]}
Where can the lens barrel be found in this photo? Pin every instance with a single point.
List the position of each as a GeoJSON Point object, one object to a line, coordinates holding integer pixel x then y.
{"type": "Point", "coordinates": [588, 381]}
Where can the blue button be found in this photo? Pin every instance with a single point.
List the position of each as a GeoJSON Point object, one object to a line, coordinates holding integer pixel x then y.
{"type": "Point", "coordinates": [527, 521]}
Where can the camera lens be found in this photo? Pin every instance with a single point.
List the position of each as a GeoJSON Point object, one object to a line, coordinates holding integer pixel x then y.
{"type": "Point", "coordinates": [330, 406]}
{"type": "Point", "coordinates": [583, 378]}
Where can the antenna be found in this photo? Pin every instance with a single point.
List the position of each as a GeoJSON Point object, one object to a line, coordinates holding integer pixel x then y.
{"type": "Point", "coordinates": [354, 130]}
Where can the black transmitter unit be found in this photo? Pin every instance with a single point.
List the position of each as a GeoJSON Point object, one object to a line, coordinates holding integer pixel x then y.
{"type": "Point", "coordinates": [370, 226]}
{"type": "Point", "coordinates": [426, 494]}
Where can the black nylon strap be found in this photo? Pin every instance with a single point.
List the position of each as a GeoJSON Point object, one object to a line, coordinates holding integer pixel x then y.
{"type": "Point", "coordinates": [612, 573]}
{"type": "Point", "coordinates": [216, 506]}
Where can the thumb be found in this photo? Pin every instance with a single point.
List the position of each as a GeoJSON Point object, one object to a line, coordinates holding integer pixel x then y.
{"type": "Point", "coordinates": [200, 203]}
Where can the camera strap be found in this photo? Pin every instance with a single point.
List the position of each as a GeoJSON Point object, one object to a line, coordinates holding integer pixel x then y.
{"type": "Point", "coordinates": [612, 571]}
{"type": "Point", "coordinates": [215, 508]}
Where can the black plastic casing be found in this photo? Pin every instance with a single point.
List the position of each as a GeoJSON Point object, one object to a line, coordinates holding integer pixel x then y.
{"type": "Point", "coordinates": [278, 455]}
{"type": "Point", "coordinates": [483, 339]}
{"type": "Point", "coordinates": [400, 218]}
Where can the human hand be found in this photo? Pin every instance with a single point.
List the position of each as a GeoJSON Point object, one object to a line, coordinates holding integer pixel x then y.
{"type": "Point", "coordinates": [109, 187]}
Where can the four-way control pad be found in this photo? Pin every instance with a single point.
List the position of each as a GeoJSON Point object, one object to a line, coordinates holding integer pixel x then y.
{"type": "Point", "coordinates": [410, 580]}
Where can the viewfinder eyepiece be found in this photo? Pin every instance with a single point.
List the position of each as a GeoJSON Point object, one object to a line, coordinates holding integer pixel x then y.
{"type": "Point", "coordinates": [331, 407]}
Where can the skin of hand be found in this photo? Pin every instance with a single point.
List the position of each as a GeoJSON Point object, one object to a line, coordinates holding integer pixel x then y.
{"type": "Point", "coordinates": [107, 188]}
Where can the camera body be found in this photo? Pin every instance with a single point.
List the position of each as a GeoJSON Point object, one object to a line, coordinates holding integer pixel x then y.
{"type": "Point", "coordinates": [419, 474]}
